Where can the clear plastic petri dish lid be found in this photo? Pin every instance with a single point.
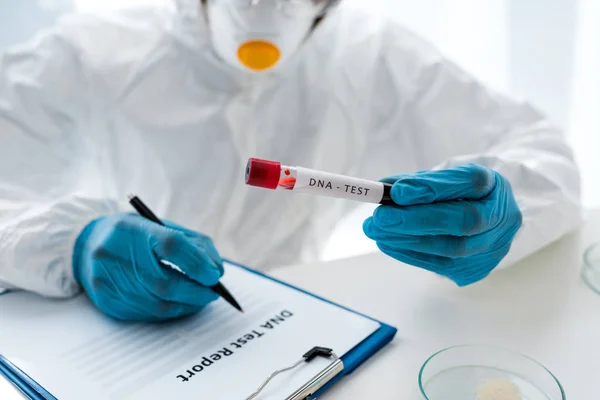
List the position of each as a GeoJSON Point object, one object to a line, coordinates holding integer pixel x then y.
{"type": "Point", "coordinates": [479, 372]}
{"type": "Point", "coordinates": [591, 267]}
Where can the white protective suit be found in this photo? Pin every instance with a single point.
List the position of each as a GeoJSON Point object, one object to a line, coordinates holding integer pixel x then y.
{"type": "Point", "coordinates": [137, 102]}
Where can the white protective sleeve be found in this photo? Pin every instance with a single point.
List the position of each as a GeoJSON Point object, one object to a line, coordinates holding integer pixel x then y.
{"type": "Point", "coordinates": [453, 119]}
{"type": "Point", "coordinates": [45, 166]}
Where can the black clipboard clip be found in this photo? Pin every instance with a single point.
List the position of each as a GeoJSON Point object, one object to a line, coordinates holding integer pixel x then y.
{"type": "Point", "coordinates": [316, 382]}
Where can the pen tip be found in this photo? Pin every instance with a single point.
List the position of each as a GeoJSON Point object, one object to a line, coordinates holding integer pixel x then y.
{"type": "Point", "coordinates": [131, 196]}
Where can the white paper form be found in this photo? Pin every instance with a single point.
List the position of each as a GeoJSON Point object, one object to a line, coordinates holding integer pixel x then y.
{"type": "Point", "coordinates": [75, 352]}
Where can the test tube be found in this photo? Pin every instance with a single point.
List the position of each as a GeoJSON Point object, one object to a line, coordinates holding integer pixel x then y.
{"type": "Point", "coordinates": [272, 175]}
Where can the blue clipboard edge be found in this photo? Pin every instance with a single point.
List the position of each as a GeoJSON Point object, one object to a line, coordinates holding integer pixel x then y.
{"type": "Point", "coordinates": [352, 360]}
{"type": "Point", "coordinates": [22, 381]}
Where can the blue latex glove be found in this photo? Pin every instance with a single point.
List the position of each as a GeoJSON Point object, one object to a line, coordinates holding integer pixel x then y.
{"type": "Point", "coordinates": [117, 261]}
{"type": "Point", "coordinates": [458, 223]}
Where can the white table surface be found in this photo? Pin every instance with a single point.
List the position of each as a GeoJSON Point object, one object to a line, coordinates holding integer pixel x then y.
{"type": "Point", "coordinates": [540, 307]}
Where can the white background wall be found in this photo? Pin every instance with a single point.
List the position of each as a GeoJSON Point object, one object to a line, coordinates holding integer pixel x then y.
{"type": "Point", "coordinates": [547, 51]}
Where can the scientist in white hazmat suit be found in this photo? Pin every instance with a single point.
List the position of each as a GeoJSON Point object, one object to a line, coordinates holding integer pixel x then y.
{"type": "Point", "coordinates": [169, 103]}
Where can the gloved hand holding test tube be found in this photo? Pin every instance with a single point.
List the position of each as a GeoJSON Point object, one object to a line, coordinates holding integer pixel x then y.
{"type": "Point", "coordinates": [458, 222]}
{"type": "Point", "coordinates": [272, 175]}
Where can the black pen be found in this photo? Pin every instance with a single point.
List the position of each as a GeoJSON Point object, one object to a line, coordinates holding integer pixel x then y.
{"type": "Point", "coordinates": [145, 212]}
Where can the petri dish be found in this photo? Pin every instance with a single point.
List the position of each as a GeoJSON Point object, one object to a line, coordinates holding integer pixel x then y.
{"type": "Point", "coordinates": [479, 372]}
{"type": "Point", "coordinates": [591, 267]}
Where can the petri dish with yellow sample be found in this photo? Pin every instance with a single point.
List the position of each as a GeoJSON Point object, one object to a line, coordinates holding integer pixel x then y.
{"type": "Point", "coordinates": [480, 372]}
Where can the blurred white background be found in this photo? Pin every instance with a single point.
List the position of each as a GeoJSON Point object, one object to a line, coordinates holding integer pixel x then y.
{"type": "Point", "coordinates": [546, 51]}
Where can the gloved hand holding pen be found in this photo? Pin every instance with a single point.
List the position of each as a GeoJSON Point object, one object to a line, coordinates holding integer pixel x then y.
{"type": "Point", "coordinates": [458, 222]}
{"type": "Point", "coordinates": [117, 261]}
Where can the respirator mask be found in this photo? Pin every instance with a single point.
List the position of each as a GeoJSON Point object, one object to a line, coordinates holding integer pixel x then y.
{"type": "Point", "coordinates": [258, 35]}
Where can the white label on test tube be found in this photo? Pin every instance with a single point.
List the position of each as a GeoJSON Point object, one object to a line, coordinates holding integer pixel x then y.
{"type": "Point", "coordinates": [340, 186]}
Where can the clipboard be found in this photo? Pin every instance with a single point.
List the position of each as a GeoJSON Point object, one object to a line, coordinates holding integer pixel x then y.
{"type": "Point", "coordinates": [340, 366]}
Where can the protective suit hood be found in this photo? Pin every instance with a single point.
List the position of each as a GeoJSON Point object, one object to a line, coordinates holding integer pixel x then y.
{"type": "Point", "coordinates": [189, 10]}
